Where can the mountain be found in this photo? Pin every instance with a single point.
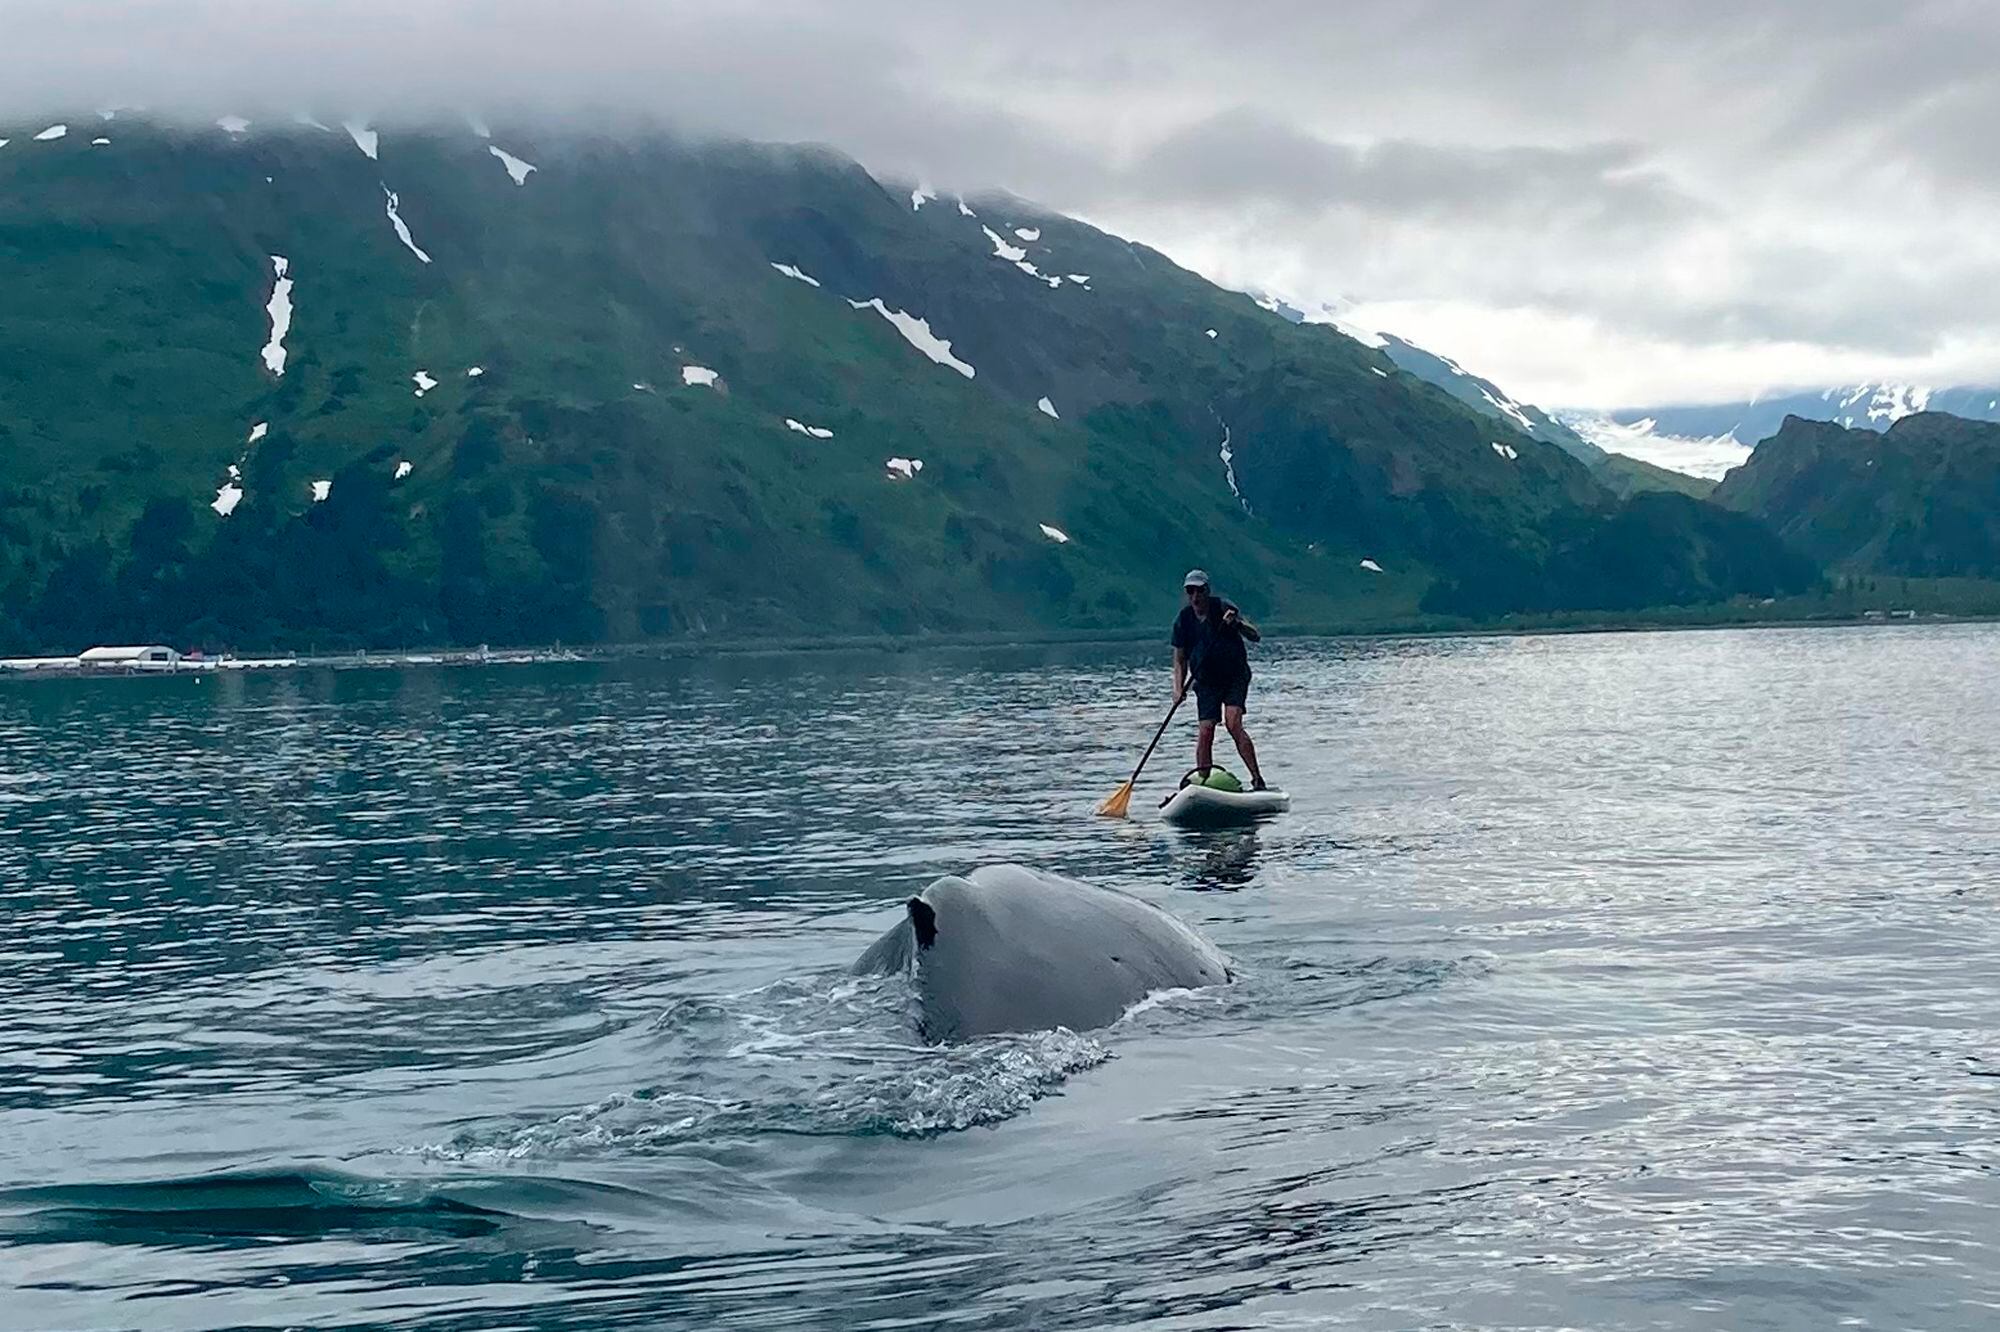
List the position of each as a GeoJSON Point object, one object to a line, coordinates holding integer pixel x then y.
{"type": "Point", "coordinates": [1487, 398]}
{"type": "Point", "coordinates": [1921, 499]}
{"type": "Point", "coordinates": [1707, 439]}
{"type": "Point", "coordinates": [271, 384]}
{"type": "Point", "coordinates": [1625, 476]}
{"type": "Point", "coordinates": [1619, 473]}
{"type": "Point", "coordinates": [1482, 395]}
{"type": "Point", "coordinates": [1706, 457]}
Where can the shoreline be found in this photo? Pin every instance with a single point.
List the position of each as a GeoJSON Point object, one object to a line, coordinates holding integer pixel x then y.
{"type": "Point", "coordinates": [983, 640]}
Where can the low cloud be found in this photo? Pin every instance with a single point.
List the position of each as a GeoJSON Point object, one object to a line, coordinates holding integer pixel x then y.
{"type": "Point", "coordinates": [1243, 157]}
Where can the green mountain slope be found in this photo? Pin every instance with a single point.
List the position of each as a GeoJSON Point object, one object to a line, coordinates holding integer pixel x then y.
{"type": "Point", "coordinates": [1921, 499]}
{"type": "Point", "coordinates": [1624, 476]}
{"type": "Point", "coordinates": [515, 435]}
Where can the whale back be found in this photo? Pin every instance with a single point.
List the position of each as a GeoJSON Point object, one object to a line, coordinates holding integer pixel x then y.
{"type": "Point", "coordinates": [1013, 949]}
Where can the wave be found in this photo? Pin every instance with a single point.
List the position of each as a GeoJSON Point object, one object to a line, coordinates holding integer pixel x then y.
{"type": "Point", "coordinates": [812, 1057]}
{"type": "Point", "coordinates": [259, 1206]}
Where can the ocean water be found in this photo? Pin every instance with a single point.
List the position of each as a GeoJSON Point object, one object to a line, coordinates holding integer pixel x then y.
{"type": "Point", "coordinates": [1612, 981]}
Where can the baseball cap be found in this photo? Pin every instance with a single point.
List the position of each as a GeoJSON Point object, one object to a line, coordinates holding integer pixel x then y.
{"type": "Point", "coordinates": [1195, 578]}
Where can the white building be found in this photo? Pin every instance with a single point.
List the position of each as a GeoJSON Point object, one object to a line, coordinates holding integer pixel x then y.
{"type": "Point", "coordinates": [151, 657]}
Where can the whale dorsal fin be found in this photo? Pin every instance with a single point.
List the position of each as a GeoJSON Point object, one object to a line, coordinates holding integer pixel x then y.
{"type": "Point", "coordinates": [923, 919]}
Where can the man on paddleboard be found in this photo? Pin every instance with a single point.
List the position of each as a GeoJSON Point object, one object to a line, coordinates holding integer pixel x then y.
{"type": "Point", "coordinates": [1208, 650]}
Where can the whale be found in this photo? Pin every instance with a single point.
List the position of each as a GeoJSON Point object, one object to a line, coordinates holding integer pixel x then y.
{"type": "Point", "coordinates": [1006, 948]}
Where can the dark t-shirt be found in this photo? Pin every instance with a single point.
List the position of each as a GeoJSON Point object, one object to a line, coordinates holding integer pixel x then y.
{"type": "Point", "coordinates": [1215, 650]}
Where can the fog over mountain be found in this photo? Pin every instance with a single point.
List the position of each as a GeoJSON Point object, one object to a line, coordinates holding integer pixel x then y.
{"type": "Point", "coordinates": [1593, 207]}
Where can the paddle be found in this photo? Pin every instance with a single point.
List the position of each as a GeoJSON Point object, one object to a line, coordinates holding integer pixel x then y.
{"type": "Point", "coordinates": [1119, 801]}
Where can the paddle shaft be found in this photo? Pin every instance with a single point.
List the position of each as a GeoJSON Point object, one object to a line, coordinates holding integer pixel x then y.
{"type": "Point", "coordinates": [1156, 742]}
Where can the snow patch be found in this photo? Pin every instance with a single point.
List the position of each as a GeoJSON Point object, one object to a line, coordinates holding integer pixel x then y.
{"type": "Point", "coordinates": [235, 472]}
{"type": "Point", "coordinates": [1376, 371]}
{"type": "Point", "coordinates": [817, 432]}
{"type": "Point", "coordinates": [367, 140]}
{"type": "Point", "coordinates": [1028, 233]}
{"type": "Point", "coordinates": [279, 307]}
{"type": "Point", "coordinates": [303, 119]}
{"type": "Point", "coordinates": [226, 499]}
{"type": "Point", "coordinates": [1055, 534]}
{"type": "Point", "coordinates": [1229, 469]}
{"type": "Point", "coordinates": [5, 142]}
{"type": "Point", "coordinates": [692, 375]}
{"type": "Point", "coordinates": [1366, 337]}
{"type": "Point", "coordinates": [1048, 409]}
{"type": "Point", "coordinates": [321, 489]}
{"type": "Point", "coordinates": [51, 133]}
{"type": "Point", "coordinates": [515, 166]}
{"type": "Point", "coordinates": [906, 468]}
{"type": "Point", "coordinates": [1210, 332]}
{"type": "Point", "coordinates": [99, 143]}
{"type": "Point", "coordinates": [475, 372]}
{"type": "Point", "coordinates": [794, 272]}
{"type": "Point", "coordinates": [1709, 457]}
{"type": "Point", "coordinates": [920, 196]}
{"type": "Point", "coordinates": [1013, 254]}
{"type": "Point", "coordinates": [963, 211]}
{"type": "Point", "coordinates": [258, 431]}
{"type": "Point", "coordinates": [422, 379]}
{"type": "Point", "coordinates": [1371, 566]}
{"type": "Point", "coordinates": [1081, 279]}
{"type": "Point", "coordinates": [1018, 257]}
{"type": "Point", "coordinates": [402, 229]}
{"type": "Point", "coordinates": [232, 124]}
{"type": "Point", "coordinates": [641, 386]}
{"type": "Point", "coordinates": [403, 469]}
{"type": "Point", "coordinates": [917, 332]}
{"type": "Point", "coordinates": [1507, 406]}
{"type": "Point", "coordinates": [1506, 451]}
{"type": "Point", "coordinates": [1892, 402]}
{"type": "Point", "coordinates": [1333, 314]}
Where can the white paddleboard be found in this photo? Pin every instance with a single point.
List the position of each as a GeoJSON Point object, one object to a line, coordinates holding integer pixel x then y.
{"type": "Point", "coordinates": [1205, 807]}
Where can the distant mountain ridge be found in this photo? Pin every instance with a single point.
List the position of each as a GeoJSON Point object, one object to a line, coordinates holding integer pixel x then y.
{"type": "Point", "coordinates": [1706, 457]}
{"type": "Point", "coordinates": [1486, 397]}
{"type": "Point", "coordinates": [1856, 406]}
{"type": "Point", "coordinates": [1920, 499]}
{"type": "Point", "coordinates": [1482, 395]}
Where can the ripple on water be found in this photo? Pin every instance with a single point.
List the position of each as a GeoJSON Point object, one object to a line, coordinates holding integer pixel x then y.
{"type": "Point", "coordinates": [806, 1056]}
{"type": "Point", "coordinates": [1599, 981]}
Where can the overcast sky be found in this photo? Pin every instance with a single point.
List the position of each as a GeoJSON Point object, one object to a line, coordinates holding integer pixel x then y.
{"type": "Point", "coordinates": [1595, 204]}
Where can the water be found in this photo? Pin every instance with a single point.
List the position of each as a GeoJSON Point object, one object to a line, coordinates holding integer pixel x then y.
{"type": "Point", "coordinates": [1635, 981]}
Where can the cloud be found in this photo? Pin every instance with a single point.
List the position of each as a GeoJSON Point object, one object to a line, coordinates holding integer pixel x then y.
{"type": "Point", "coordinates": [1722, 193]}
{"type": "Point", "coordinates": [1243, 156]}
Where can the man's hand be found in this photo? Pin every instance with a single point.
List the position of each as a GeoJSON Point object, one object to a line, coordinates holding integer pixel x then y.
{"type": "Point", "coordinates": [1180, 692]}
{"type": "Point", "coordinates": [1229, 616]}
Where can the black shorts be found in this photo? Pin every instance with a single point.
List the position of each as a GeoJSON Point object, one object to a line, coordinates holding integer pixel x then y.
{"type": "Point", "coordinates": [1210, 698]}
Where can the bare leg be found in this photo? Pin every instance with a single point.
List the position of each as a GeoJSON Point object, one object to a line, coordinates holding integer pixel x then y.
{"type": "Point", "coordinates": [1204, 747]}
{"type": "Point", "coordinates": [1232, 717]}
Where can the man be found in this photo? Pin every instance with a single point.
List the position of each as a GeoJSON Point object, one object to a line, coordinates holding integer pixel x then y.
{"type": "Point", "coordinates": [1208, 649]}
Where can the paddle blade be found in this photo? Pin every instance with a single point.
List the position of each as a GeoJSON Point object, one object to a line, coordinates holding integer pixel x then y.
{"type": "Point", "coordinates": [1117, 802]}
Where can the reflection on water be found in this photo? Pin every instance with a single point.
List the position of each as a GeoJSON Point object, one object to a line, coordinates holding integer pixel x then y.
{"type": "Point", "coordinates": [1604, 981]}
{"type": "Point", "coordinates": [1223, 859]}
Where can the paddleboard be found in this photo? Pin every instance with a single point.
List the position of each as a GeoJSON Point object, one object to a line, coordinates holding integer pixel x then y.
{"type": "Point", "coordinates": [1203, 807]}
